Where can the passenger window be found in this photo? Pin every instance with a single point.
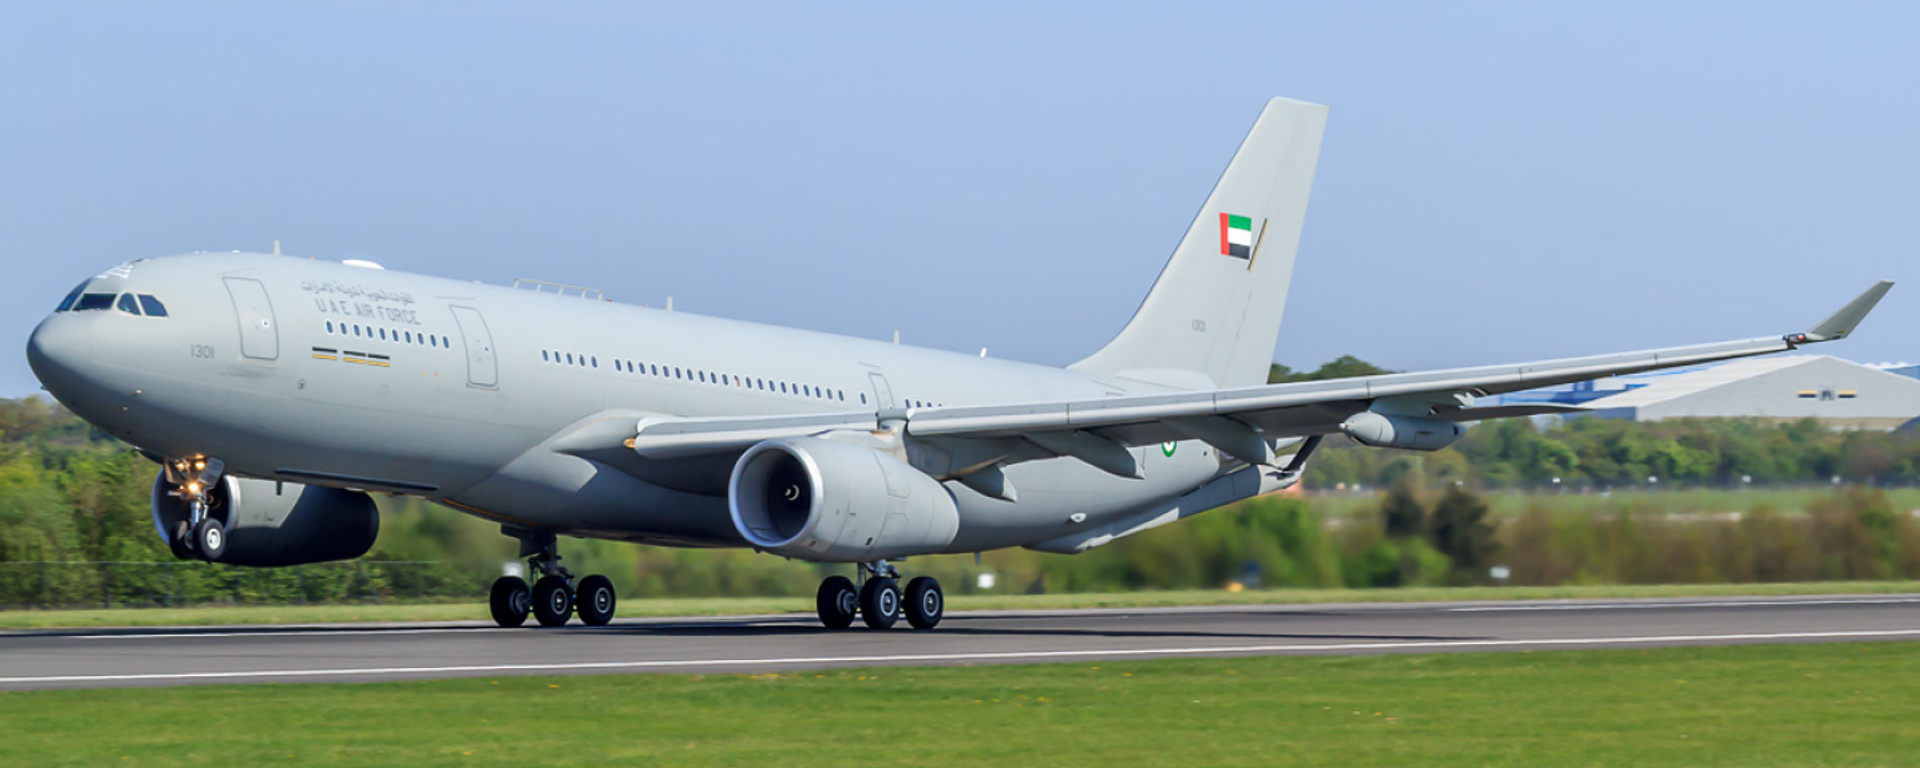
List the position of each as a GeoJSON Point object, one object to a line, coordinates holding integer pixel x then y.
{"type": "Point", "coordinates": [383, 334]}
{"type": "Point", "coordinates": [356, 331]}
{"type": "Point", "coordinates": [329, 327]}
{"type": "Point", "coordinates": [446, 342]}
{"type": "Point", "coordinates": [128, 304]}
{"type": "Point", "coordinates": [596, 361]}
{"type": "Point", "coordinates": [543, 357]}
{"type": "Point", "coordinates": [569, 358]}
{"type": "Point", "coordinates": [863, 398]}
{"type": "Point", "coordinates": [90, 302]}
{"type": "Point", "coordinates": [72, 296]}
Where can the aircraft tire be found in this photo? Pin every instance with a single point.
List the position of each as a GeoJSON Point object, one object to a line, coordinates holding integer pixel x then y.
{"type": "Point", "coordinates": [837, 603]}
{"type": "Point", "coordinates": [510, 601]}
{"type": "Point", "coordinates": [925, 602]}
{"type": "Point", "coordinates": [880, 603]}
{"type": "Point", "coordinates": [210, 538]}
{"type": "Point", "coordinates": [594, 600]}
{"type": "Point", "coordinates": [552, 601]}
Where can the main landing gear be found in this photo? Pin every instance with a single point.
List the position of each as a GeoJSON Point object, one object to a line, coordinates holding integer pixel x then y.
{"type": "Point", "coordinates": [878, 601]}
{"type": "Point", "coordinates": [554, 597]}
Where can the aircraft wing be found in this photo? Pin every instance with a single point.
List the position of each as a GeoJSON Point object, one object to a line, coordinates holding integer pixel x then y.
{"type": "Point", "coordinates": [1245, 423]}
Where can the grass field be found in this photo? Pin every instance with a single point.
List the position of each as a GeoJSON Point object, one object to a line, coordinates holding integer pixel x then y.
{"type": "Point", "coordinates": [1697, 500]}
{"type": "Point", "coordinates": [1748, 706]}
{"type": "Point", "coordinates": [723, 606]}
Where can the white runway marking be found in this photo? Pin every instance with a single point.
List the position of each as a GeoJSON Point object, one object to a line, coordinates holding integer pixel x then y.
{"type": "Point", "coordinates": [948, 657]}
{"type": "Point", "coordinates": [278, 633]}
{"type": "Point", "coordinates": [1714, 604]}
{"type": "Point", "coordinates": [375, 632]}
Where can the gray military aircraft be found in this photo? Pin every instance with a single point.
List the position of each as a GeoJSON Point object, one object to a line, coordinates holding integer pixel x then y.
{"type": "Point", "coordinates": [277, 393]}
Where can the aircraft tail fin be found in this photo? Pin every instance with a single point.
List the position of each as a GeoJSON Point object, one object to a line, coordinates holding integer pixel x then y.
{"type": "Point", "coordinates": [1213, 316]}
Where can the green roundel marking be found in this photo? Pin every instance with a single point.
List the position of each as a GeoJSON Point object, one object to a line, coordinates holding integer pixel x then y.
{"type": "Point", "coordinates": [1169, 447]}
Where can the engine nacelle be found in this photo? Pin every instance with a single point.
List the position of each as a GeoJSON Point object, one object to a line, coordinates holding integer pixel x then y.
{"type": "Point", "coordinates": [829, 501]}
{"type": "Point", "coordinates": [272, 524]}
{"type": "Point", "coordinates": [1415, 433]}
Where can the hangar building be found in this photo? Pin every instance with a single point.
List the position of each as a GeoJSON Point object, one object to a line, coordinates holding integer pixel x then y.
{"type": "Point", "coordinates": [1837, 392]}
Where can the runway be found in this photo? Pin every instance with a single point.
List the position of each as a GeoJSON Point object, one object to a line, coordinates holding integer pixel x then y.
{"type": "Point", "coordinates": [31, 660]}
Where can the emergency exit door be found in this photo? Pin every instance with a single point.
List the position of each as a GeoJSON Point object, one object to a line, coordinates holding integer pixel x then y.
{"type": "Point", "coordinates": [483, 370]}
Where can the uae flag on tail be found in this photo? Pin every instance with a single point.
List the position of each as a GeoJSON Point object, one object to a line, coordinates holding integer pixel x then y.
{"type": "Point", "coordinates": [1236, 236]}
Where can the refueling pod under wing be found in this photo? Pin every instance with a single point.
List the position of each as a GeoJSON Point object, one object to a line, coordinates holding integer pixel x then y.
{"type": "Point", "coordinates": [1414, 433]}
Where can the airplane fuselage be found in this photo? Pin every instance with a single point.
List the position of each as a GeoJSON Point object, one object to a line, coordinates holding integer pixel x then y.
{"type": "Point", "coordinates": [327, 374]}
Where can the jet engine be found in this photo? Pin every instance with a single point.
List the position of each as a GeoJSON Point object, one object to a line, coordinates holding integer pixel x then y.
{"type": "Point", "coordinates": [828, 501]}
{"type": "Point", "coordinates": [272, 524]}
{"type": "Point", "coordinates": [1416, 433]}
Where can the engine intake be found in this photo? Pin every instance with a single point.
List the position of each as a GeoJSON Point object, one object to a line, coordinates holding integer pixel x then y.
{"type": "Point", "coordinates": [1415, 433]}
{"type": "Point", "coordinates": [272, 524]}
{"type": "Point", "coordinates": [828, 501]}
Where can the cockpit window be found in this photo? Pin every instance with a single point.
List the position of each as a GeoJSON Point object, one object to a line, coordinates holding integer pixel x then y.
{"type": "Point", "coordinates": [152, 305]}
{"type": "Point", "coordinates": [67, 303]}
{"type": "Point", "coordinates": [93, 301]}
{"type": "Point", "coordinates": [129, 304]}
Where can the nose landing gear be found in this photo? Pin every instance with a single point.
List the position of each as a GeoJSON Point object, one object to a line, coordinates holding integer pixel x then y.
{"type": "Point", "coordinates": [878, 602]}
{"type": "Point", "coordinates": [201, 534]}
{"type": "Point", "coordinates": [555, 597]}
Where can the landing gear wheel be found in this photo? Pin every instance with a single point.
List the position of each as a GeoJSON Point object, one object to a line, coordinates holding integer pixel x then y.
{"type": "Point", "coordinates": [925, 602]}
{"type": "Point", "coordinates": [510, 601]}
{"type": "Point", "coordinates": [181, 541]}
{"type": "Point", "coordinates": [594, 601]}
{"type": "Point", "coordinates": [838, 602]}
{"type": "Point", "coordinates": [880, 603]}
{"type": "Point", "coordinates": [210, 538]}
{"type": "Point", "coordinates": [552, 601]}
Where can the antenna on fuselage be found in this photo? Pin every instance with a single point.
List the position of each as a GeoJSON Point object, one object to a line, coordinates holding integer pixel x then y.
{"type": "Point", "coordinates": [896, 335]}
{"type": "Point", "coordinates": [669, 303]}
{"type": "Point", "coordinates": [276, 247]}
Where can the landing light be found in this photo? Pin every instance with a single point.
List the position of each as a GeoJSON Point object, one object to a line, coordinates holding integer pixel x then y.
{"type": "Point", "coordinates": [193, 487]}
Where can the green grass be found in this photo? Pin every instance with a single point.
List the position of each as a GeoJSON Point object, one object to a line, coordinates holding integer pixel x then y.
{"type": "Point", "coordinates": [724, 606]}
{"type": "Point", "coordinates": [1695, 500]}
{"type": "Point", "coordinates": [1748, 706]}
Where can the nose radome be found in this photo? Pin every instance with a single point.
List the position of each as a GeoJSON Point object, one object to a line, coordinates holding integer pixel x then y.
{"type": "Point", "coordinates": [59, 350]}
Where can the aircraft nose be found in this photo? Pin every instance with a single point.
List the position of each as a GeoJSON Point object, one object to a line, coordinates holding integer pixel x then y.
{"type": "Point", "coordinates": [59, 351]}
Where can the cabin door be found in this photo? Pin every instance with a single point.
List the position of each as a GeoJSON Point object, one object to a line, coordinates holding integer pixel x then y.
{"type": "Point", "coordinates": [259, 340]}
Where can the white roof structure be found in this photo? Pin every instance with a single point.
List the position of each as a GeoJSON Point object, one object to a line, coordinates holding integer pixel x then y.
{"type": "Point", "coordinates": [1835, 391]}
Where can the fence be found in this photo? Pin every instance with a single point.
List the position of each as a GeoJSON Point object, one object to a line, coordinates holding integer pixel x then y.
{"type": "Point", "coordinates": [89, 584]}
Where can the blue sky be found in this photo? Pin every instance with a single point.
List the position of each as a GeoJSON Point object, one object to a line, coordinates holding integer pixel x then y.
{"type": "Point", "coordinates": [1499, 182]}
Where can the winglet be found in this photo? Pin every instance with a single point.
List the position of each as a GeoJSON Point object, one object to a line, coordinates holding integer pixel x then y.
{"type": "Point", "coordinates": [1841, 323]}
